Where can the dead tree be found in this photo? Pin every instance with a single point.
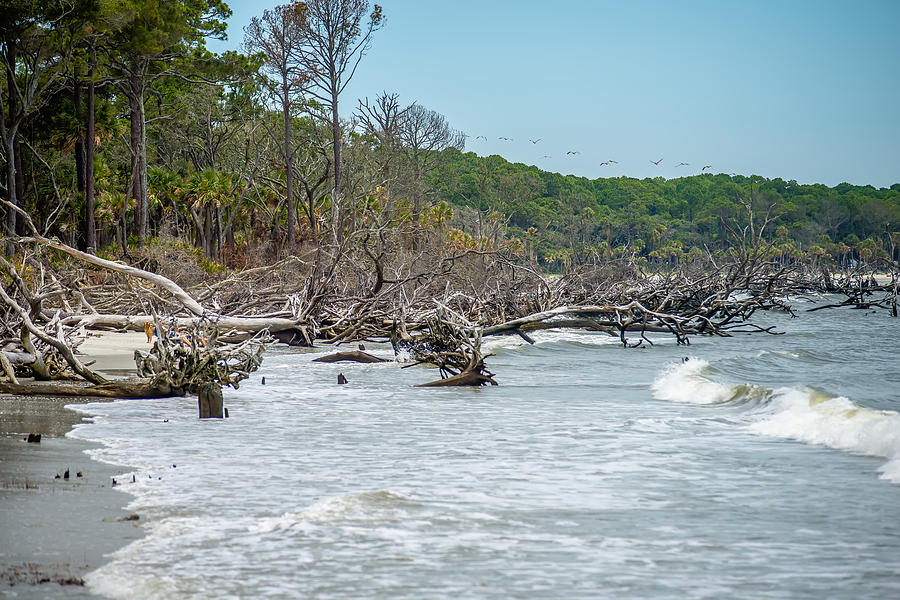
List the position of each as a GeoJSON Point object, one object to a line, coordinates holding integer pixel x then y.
{"type": "Point", "coordinates": [186, 360]}
{"type": "Point", "coordinates": [452, 347]}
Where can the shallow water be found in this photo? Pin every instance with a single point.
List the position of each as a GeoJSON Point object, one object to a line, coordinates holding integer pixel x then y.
{"type": "Point", "coordinates": [762, 467]}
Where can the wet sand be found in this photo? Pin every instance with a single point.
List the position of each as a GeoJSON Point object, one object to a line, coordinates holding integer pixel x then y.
{"type": "Point", "coordinates": [54, 531]}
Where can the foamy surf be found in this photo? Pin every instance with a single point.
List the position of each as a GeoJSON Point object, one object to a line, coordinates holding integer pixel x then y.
{"type": "Point", "coordinates": [549, 338]}
{"type": "Point", "coordinates": [803, 414]}
{"type": "Point", "coordinates": [684, 382]}
{"type": "Point", "coordinates": [810, 416]}
{"type": "Point", "coordinates": [360, 506]}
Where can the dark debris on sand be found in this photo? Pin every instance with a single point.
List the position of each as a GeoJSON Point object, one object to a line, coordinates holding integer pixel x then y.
{"type": "Point", "coordinates": [38, 574]}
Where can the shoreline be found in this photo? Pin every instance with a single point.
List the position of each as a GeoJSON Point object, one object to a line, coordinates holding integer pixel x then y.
{"type": "Point", "coordinates": [55, 531]}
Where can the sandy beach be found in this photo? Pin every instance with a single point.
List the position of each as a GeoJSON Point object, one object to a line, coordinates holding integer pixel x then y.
{"type": "Point", "coordinates": [54, 531]}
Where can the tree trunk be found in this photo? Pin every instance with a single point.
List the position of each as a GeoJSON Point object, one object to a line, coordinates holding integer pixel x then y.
{"type": "Point", "coordinates": [288, 167]}
{"type": "Point", "coordinates": [112, 389]}
{"type": "Point", "coordinates": [209, 401]}
{"type": "Point", "coordinates": [200, 224]}
{"type": "Point", "coordinates": [417, 196]}
{"type": "Point", "coordinates": [9, 134]}
{"type": "Point", "coordinates": [15, 156]}
{"type": "Point", "coordinates": [209, 227]}
{"type": "Point", "coordinates": [79, 149]}
{"type": "Point", "coordinates": [337, 206]}
{"type": "Point", "coordinates": [220, 234]}
{"type": "Point", "coordinates": [79, 142]}
{"type": "Point", "coordinates": [11, 190]}
{"type": "Point", "coordinates": [311, 211]}
{"type": "Point", "coordinates": [20, 181]}
{"type": "Point", "coordinates": [90, 227]}
{"type": "Point", "coordinates": [471, 377]}
{"type": "Point", "coordinates": [142, 173]}
{"type": "Point", "coordinates": [139, 156]}
{"type": "Point", "coordinates": [134, 189]}
{"type": "Point", "coordinates": [353, 356]}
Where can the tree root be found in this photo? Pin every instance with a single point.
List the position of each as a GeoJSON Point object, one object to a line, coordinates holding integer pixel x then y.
{"type": "Point", "coordinates": [476, 376]}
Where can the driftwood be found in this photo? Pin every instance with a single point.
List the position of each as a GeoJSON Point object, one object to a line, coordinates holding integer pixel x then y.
{"type": "Point", "coordinates": [113, 389]}
{"type": "Point", "coordinates": [630, 317]}
{"type": "Point", "coordinates": [435, 302]}
{"type": "Point", "coordinates": [862, 292]}
{"type": "Point", "coordinates": [453, 348]}
{"type": "Point", "coordinates": [354, 356]}
{"type": "Point", "coordinates": [197, 311]}
{"type": "Point", "coordinates": [191, 359]}
{"type": "Point", "coordinates": [55, 340]}
{"type": "Point", "coordinates": [187, 354]}
{"type": "Point", "coordinates": [224, 323]}
{"type": "Point", "coordinates": [476, 375]}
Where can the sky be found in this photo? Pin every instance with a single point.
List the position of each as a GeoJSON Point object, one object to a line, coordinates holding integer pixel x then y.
{"type": "Point", "coordinates": [805, 90]}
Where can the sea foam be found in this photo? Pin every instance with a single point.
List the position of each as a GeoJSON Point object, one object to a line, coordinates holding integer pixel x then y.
{"type": "Point", "coordinates": [810, 416]}
{"type": "Point", "coordinates": [360, 506]}
{"type": "Point", "coordinates": [797, 413]}
{"type": "Point", "coordinates": [684, 382]}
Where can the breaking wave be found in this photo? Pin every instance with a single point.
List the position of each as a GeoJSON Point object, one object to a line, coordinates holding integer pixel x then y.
{"type": "Point", "coordinates": [361, 506]}
{"type": "Point", "coordinates": [798, 413]}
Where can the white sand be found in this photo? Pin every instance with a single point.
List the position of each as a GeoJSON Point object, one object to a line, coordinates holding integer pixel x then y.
{"type": "Point", "coordinates": [113, 351]}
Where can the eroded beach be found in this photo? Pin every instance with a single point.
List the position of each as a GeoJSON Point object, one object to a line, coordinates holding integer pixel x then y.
{"type": "Point", "coordinates": [55, 530]}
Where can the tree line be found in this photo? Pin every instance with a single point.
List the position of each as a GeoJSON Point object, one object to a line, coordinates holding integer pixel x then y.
{"type": "Point", "coordinates": [120, 128]}
{"type": "Point", "coordinates": [564, 219]}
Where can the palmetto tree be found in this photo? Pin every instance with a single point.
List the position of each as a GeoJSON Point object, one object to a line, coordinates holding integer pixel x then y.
{"type": "Point", "coordinates": [210, 197]}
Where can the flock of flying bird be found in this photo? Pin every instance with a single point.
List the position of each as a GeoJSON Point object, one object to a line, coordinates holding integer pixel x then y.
{"type": "Point", "coordinates": [574, 152]}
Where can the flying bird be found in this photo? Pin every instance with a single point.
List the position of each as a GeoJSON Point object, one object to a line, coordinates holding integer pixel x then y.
{"type": "Point", "coordinates": [656, 162]}
{"type": "Point", "coordinates": [480, 137]}
{"type": "Point", "coordinates": [604, 163]}
{"type": "Point", "coordinates": [506, 139]}
{"type": "Point", "coordinates": [705, 167]}
{"type": "Point", "coordinates": [534, 141]}
{"type": "Point", "coordinates": [683, 164]}
{"type": "Point", "coordinates": [612, 162]}
{"type": "Point", "coordinates": [546, 156]}
{"type": "Point", "coordinates": [572, 152]}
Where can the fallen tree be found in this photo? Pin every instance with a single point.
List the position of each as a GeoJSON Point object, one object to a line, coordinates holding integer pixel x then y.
{"type": "Point", "coordinates": [436, 302]}
{"type": "Point", "coordinates": [354, 356]}
{"type": "Point", "coordinates": [197, 312]}
{"type": "Point", "coordinates": [862, 291]}
{"type": "Point", "coordinates": [455, 349]}
{"type": "Point", "coordinates": [194, 356]}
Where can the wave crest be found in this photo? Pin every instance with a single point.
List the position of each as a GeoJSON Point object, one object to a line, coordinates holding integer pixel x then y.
{"type": "Point", "coordinates": [348, 507]}
{"type": "Point", "coordinates": [684, 382]}
{"type": "Point", "coordinates": [798, 413]}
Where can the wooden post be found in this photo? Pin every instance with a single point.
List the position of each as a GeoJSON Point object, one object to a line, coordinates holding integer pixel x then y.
{"type": "Point", "coordinates": [209, 401]}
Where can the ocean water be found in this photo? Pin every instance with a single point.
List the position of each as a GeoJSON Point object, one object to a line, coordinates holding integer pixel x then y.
{"type": "Point", "coordinates": [755, 466]}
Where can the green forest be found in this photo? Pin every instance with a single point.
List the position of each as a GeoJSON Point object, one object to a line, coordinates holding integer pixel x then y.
{"type": "Point", "coordinates": [121, 130]}
{"type": "Point", "coordinates": [564, 218]}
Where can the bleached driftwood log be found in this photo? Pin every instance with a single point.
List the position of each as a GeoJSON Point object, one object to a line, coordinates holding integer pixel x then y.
{"type": "Point", "coordinates": [174, 366]}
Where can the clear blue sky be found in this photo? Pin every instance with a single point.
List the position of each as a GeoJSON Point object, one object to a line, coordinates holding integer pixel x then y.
{"type": "Point", "coordinates": [798, 89]}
